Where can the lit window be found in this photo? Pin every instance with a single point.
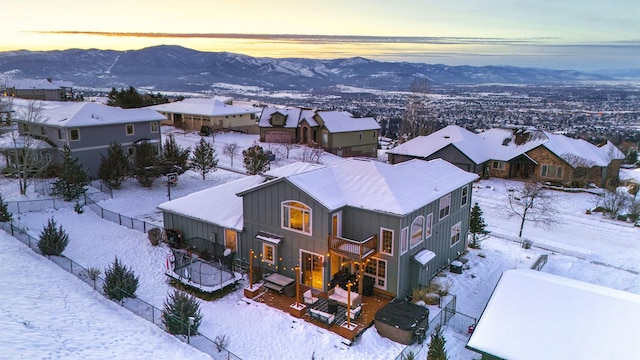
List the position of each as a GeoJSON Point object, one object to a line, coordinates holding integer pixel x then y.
{"type": "Point", "coordinates": [268, 252]}
{"type": "Point", "coordinates": [386, 241]}
{"type": "Point", "coordinates": [465, 196]}
{"type": "Point", "coordinates": [417, 227]}
{"type": "Point", "coordinates": [74, 134]}
{"type": "Point", "coordinates": [445, 206]}
{"type": "Point", "coordinates": [455, 234]}
{"type": "Point", "coordinates": [377, 269]}
{"type": "Point", "coordinates": [296, 216]}
{"type": "Point", "coordinates": [231, 239]}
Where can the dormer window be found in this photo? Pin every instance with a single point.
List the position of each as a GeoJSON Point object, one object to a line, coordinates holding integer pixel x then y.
{"type": "Point", "coordinates": [278, 119]}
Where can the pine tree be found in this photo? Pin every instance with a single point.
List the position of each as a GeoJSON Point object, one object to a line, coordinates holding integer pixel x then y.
{"type": "Point", "coordinates": [53, 240]}
{"type": "Point", "coordinates": [178, 308]}
{"type": "Point", "coordinates": [255, 160]}
{"type": "Point", "coordinates": [145, 164]}
{"type": "Point", "coordinates": [204, 158]}
{"type": "Point", "coordinates": [477, 227]}
{"type": "Point", "coordinates": [73, 178]}
{"type": "Point", "coordinates": [437, 349]}
{"type": "Point", "coordinates": [119, 282]}
{"type": "Point", "coordinates": [174, 158]}
{"type": "Point", "coordinates": [115, 167]}
{"type": "Point", "coordinates": [5, 215]}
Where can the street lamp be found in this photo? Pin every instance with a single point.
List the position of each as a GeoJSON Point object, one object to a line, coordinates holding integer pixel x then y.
{"type": "Point", "coordinates": [191, 322]}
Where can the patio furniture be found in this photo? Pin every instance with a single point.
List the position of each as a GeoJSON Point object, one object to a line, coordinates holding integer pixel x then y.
{"type": "Point", "coordinates": [309, 298]}
{"type": "Point", "coordinates": [277, 282]}
{"type": "Point", "coordinates": [332, 306]}
{"type": "Point", "coordinates": [354, 313]}
{"type": "Point", "coordinates": [322, 316]}
{"type": "Point", "coordinates": [341, 296]}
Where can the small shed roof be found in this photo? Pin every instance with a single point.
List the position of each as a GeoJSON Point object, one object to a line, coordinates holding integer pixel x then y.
{"type": "Point", "coordinates": [535, 315]}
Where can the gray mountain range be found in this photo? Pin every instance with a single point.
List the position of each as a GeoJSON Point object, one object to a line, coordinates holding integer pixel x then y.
{"type": "Point", "coordinates": [175, 68]}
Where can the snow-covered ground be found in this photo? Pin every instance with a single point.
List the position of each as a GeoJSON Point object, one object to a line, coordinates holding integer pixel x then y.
{"type": "Point", "coordinates": [49, 314]}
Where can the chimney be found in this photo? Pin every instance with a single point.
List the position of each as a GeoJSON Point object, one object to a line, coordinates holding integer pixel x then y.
{"type": "Point", "coordinates": [49, 79]}
{"type": "Point", "coordinates": [521, 136]}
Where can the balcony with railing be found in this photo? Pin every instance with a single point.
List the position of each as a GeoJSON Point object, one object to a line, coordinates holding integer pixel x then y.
{"type": "Point", "coordinates": [353, 249]}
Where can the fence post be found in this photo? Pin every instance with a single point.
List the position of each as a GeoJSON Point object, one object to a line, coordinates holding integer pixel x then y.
{"type": "Point", "coordinates": [119, 218]}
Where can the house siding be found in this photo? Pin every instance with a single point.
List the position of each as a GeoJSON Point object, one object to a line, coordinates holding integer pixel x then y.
{"type": "Point", "coordinates": [350, 144]}
{"type": "Point", "coordinates": [543, 156]}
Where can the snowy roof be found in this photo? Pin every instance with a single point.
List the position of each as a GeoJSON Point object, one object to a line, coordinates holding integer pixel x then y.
{"type": "Point", "coordinates": [291, 169]}
{"type": "Point", "coordinates": [343, 121]}
{"type": "Point", "coordinates": [94, 114]}
{"type": "Point", "coordinates": [202, 107]}
{"type": "Point", "coordinates": [396, 189]}
{"type": "Point", "coordinates": [27, 84]}
{"type": "Point", "coordinates": [293, 116]}
{"type": "Point", "coordinates": [505, 144]}
{"type": "Point", "coordinates": [424, 256]}
{"type": "Point", "coordinates": [535, 315]}
{"type": "Point", "coordinates": [630, 175]}
{"type": "Point", "coordinates": [424, 146]}
{"type": "Point", "coordinates": [198, 205]}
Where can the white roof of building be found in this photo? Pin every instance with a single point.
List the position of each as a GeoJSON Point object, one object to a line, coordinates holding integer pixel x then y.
{"type": "Point", "coordinates": [292, 119]}
{"type": "Point", "coordinates": [500, 144]}
{"type": "Point", "coordinates": [198, 205]}
{"type": "Point", "coordinates": [291, 169]}
{"type": "Point", "coordinates": [396, 189]}
{"type": "Point", "coordinates": [630, 175]}
{"type": "Point", "coordinates": [343, 121]}
{"type": "Point", "coordinates": [535, 315]}
{"type": "Point", "coordinates": [202, 107]}
{"type": "Point", "coordinates": [79, 114]}
{"type": "Point", "coordinates": [28, 84]}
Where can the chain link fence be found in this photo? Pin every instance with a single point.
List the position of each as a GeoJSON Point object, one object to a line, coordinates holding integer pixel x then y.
{"type": "Point", "coordinates": [134, 304]}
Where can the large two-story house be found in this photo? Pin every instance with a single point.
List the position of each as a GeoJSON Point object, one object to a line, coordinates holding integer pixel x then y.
{"type": "Point", "coordinates": [219, 114]}
{"type": "Point", "coordinates": [88, 129]}
{"type": "Point", "coordinates": [337, 132]}
{"type": "Point", "coordinates": [518, 153]}
{"type": "Point", "coordinates": [40, 89]}
{"type": "Point", "coordinates": [397, 225]}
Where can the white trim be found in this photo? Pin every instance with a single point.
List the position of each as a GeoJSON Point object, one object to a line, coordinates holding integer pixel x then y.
{"type": "Point", "coordinates": [411, 234]}
{"type": "Point", "coordinates": [126, 129]}
{"type": "Point", "coordinates": [338, 215]}
{"type": "Point", "coordinates": [273, 248]}
{"type": "Point", "coordinates": [375, 276]}
{"type": "Point", "coordinates": [455, 231]}
{"type": "Point", "coordinates": [307, 208]}
{"type": "Point", "coordinates": [428, 230]}
{"type": "Point", "coordinates": [393, 235]}
{"type": "Point", "coordinates": [70, 137]}
{"type": "Point", "coordinates": [464, 196]}
{"type": "Point", "coordinates": [404, 240]}
{"type": "Point", "coordinates": [301, 262]}
{"type": "Point", "coordinates": [444, 203]}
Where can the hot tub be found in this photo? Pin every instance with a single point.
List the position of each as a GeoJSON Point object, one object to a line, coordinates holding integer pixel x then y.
{"type": "Point", "coordinates": [399, 320]}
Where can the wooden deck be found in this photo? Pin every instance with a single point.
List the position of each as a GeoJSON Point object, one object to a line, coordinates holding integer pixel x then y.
{"type": "Point", "coordinates": [370, 306]}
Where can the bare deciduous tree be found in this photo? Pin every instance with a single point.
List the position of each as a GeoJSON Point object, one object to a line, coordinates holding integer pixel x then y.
{"type": "Point", "coordinates": [27, 154]}
{"type": "Point", "coordinates": [231, 150]}
{"type": "Point", "coordinates": [415, 121]}
{"type": "Point", "coordinates": [613, 202]}
{"type": "Point", "coordinates": [287, 147]}
{"type": "Point", "coordinates": [531, 202]}
{"type": "Point", "coordinates": [311, 154]}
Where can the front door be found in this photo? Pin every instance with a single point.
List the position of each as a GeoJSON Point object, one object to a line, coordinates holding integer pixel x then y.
{"type": "Point", "coordinates": [312, 269]}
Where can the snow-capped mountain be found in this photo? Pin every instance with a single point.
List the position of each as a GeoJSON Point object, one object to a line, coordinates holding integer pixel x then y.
{"type": "Point", "coordinates": [175, 68]}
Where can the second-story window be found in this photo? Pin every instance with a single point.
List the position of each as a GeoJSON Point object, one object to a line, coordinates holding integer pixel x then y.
{"type": "Point", "coordinates": [465, 196]}
{"type": "Point", "coordinates": [60, 134]}
{"type": "Point", "coordinates": [445, 206]}
{"type": "Point", "coordinates": [129, 129]}
{"type": "Point", "coordinates": [296, 216]}
{"type": "Point", "coordinates": [154, 127]}
{"type": "Point", "coordinates": [386, 241]}
{"type": "Point", "coordinates": [417, 228]}
{"type": "Point", "coordinates": [74, 134]}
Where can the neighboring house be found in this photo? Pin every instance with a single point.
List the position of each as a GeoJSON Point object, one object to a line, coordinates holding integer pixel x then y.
{"type": "Point", "coordinates": [535, 315]}
{"type": "Point", "coordinates": [518, 153]}
{"type": "Point", "coordinates": [89, 128]}
{"type": "Point", "coordinates": [44, 89]}
{"type": "Point", "coordinates": [337, 132]}
{"type": "Point", "coordinates": [216, 113]}
{"type": "Point", "coordinates": [400, 223]}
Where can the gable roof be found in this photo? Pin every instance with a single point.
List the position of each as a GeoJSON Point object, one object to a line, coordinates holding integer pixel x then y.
{"type": "Point", "coordinates": [535, 315]}
{"type": "Point", "coordinates": [394, 189]}
{"type": "Point", "coordinates": [198, 205]}
{"type": "Point", "coordinates": [343, 121]}
{"type": "Point", "coordinates": [202, 107]}
{"type": "Point", "coordinates": [40, 84]}
{"type": "Point", "coordinates": [505, 144]}
{"type": "Point", "coordinates": [292, 116]}
{"type": "Point", "coordinates": [94, 114]}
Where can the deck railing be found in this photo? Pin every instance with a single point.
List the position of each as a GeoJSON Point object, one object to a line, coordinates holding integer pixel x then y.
{"type": "Point", "coordinates": [353, 249]}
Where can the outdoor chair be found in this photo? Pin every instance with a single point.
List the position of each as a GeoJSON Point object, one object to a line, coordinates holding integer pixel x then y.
{"type": "Point", "coordinates": [309, 298]}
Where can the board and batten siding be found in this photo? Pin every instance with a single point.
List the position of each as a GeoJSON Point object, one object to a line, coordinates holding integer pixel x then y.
{"type": "Point", "coordinates": [194, 228]}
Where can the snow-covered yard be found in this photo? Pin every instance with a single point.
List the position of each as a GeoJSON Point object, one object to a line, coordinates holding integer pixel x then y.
{"type": "Point", "coordinates": [583, 247]}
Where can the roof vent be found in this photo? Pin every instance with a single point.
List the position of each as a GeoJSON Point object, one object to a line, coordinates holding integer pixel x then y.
{"type": "Point", "coordinates": [506, 141]}
{"type": "Point", "coordinates": [447, 136]}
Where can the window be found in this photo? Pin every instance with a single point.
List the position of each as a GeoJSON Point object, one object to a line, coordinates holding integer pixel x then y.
{"type": "Point", "coordinates": [154, 127]}
{"type": "Point", "coordinates": [552, 171]}
{"type": "Point", "coordinates": [465, 196]}
{"type": "Point", "coordinates": [231, 239]}
{"type": "Point", "coordinates": [129, 129]}
{"type": "Point", "coordinates": [377, 269]}
{"type": "Point", "coordinates": [417, 228]}
{"type": "Point", "coordinates": [455, 234]}
{"type": "Point", "coordinates": [74, 134]}
{"type": "Point", "coordinates": [386, 241]}
{"type": "Point", "coordinates": [43, 131]}
{"type": "Point", "coordinates": [268, 253]}
{"type": "Point", "coordinates": [360, 135]}
{"type": "Point", "coordinates": [445, 206]}
{"type": "Point", "coordinates": [60, 134]}
{"type": "Point", "coordinates": [131, 151]}
{"type": "Point", "coordinates": [25, 128]}
{"type": "Point", "coordinates": [404, 240]}
{"type": "Point", "coordinates": [428, 226]}
{"type": "Point", "coordinates": [498, 165]}
{"type": "Point", "coordinates": [296, 216]}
